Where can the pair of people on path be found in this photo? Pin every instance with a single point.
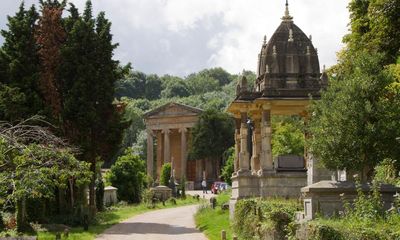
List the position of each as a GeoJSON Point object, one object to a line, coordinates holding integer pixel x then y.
{"type": "Point", "coordinates": [204, 186]}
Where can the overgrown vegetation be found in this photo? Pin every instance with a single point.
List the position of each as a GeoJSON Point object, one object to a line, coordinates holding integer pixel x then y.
{"type": "Point", "coordinates": [213, 221]}
{"type": "Point", "coordinates": [257, 218]}
{"type": "Point", "coordinates": [128, 175]}
{"type": "Point", "coordinates": [165, 175]}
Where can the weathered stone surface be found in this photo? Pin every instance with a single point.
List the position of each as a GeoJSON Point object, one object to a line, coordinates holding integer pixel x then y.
{"type": "Point", "coordinates": [110, 195]}
{"type": "Point", "coordinates": [290, 162]}
{"type": "Point", "coordinates": [328, 197]}
{"type": "Point", "coordinates": [162, 193]}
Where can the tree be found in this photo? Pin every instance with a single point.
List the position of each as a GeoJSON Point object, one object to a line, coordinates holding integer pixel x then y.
{"type": "Point", "coordinates": [128, 175]}
{"type": "Point", "coordinates": [33, 163]}
{"type": "Point", "coordinates": [355, 124]}
{"type": "Point", "coordinates": [219, 74]}
{"type": "Point", "coordinates": [19, 66]}
{"type": "Point", "coordinates": [200, 84]}
{"type": "Point", "coordinates": [212, 136]}
{"type": "Point", "coordinates": [153, 87]}
{"type": "Point", "coordinates": [374, 28]}
{"type": "Point", "coordinates": [228, 167]}
{"type": "Point", "coordinates": [165, 174]}
{"type": "Point", "coordinates": [50, 36]}
{"type": "Point", "coordinates": [88, 73]}
{"type": "Point", "coordinates": [174, 87]}
{"type": "Point", "coordinates": [288, 137]}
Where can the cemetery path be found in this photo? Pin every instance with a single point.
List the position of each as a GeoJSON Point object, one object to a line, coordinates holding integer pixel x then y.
{"type": "Point", "coordinates": [166, 224]}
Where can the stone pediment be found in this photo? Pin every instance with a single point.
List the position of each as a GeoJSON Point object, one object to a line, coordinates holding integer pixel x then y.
{"type": "Point", "coordinates": [172, 110]}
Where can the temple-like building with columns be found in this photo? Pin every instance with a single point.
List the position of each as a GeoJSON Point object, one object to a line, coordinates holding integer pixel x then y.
{"type": "Point", "coordinates": [288, 77]}
{"type": "Point", "coordinates": [168, 138]}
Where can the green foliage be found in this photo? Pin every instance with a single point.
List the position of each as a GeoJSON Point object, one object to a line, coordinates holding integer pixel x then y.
{"type": "Point", "coordinates": [212, 135]}
{"type": "Point", "coordinates": [288, 137]}
{"type": "Point", "coordinates": [200, 84]}
{"type": "Point", "coordinates": [228, 168]}
{"type": "Point", "coordinates": [183, 188]}
{"type": "Point", "coordinates": [256, 218]}
{"type": "Point", "coordinates": [353, 125]}
{"type": "Point", "coordinates": [174, 87]}
{"type": "Point", "coordinates": [128, 175]}
{"type": "Point", "coordinates": [19, 67]}
{"type": "Point", "coordinates": [374, 28]}
{"type": "Point", "coordinates": [385, 172]}
{"type": "Point", "coordinates": [165, 174]}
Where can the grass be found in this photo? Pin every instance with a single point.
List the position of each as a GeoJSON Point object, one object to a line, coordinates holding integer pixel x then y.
{"type": "Point", "coordinates": [213, 221]}
{"type": "Point", "coordinates": [111, 217]}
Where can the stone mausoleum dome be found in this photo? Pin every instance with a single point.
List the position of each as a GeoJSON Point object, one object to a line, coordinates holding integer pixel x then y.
{"type": "Point", "coordinates": [288, 66]}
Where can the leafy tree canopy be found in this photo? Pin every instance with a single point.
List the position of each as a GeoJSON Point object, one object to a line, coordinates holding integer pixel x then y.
{"type": "Point", "coordinates": [212, 135]}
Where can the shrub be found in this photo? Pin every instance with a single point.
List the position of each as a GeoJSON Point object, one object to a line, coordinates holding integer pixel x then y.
{"type": "Point", "coordinates": [147, 198]}
{"type": "Point", "coordinates": [183, 188]}
{"type": "Point", "coordinates": [165, 174]}
{"type": "Point", "coordinates": [128, 175]}
{"type": "Point", "coordinates": [259, 218]}
{"type": "Point", "coordinates": [2, 226]}
{"type": "Point", "coordinates": [228, 168]}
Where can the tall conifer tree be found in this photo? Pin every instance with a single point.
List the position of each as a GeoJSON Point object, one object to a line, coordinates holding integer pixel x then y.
{"type": "Point", "coordinates": [19, 67]}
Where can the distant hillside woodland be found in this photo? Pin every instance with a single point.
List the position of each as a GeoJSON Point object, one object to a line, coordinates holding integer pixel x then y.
{"type": "Point", "coordinates": [208, 89]}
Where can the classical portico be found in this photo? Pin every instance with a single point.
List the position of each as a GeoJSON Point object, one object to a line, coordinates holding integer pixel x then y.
{"type": "Point", "coordinates": [168, 136]}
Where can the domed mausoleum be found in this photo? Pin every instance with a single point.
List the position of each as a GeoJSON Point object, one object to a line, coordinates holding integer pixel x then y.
{"type": "Point", "coordinates": [288, 77]}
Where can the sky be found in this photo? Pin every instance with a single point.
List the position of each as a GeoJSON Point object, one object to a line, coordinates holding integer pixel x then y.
{"type": "Point", "coordinates": [179, 37]}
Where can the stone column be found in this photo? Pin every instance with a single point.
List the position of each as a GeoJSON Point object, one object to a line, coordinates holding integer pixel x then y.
{"type": "Point", "coordinates": [183, 152]}
{"type": "Point", "coordinates": [237, 145]}
{"type": "Point", "coordinates": [255, 159]}
{"type": "Point", "coordinates": [150, 155]}
{"type": "Point", "coordinates": [167, 149]}
{"type": "Point", "coordinates": [266, 150]}
{"type": "Point", "coordinates": [244, 154]}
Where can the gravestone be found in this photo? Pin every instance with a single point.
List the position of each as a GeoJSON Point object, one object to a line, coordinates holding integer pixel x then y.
{"type": "Point", "coordinates": [110, 195]}
{"type": "Point", "coordinates": [290, 163]}
{"type": "Point", "coordinates": [162, 193]}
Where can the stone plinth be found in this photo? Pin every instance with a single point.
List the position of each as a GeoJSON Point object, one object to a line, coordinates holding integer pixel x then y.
{"type": "Point", "coordinates": [162, 192]}
{"type": "Point", "coordinates": [282, 184]}
{"type": "Point", "coordinates": [325, 197]}
{"type": "Point", "coordinates": [110, 195]}
{"type": "Point", "coordinates": [268, 184]}
{"type": "Point", "coordinates": [244, 185]}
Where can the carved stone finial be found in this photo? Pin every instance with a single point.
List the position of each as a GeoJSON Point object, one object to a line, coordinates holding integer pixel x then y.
{"type": "Point", "coordinates": [287, 16]}
{"type": "Point", "coordinates": [265, 39]}
{"type": "Point", "coordinates": [290, 36]}
{"type": "Point", "coordinates": [308, 51]}
{"type": "Point", "coordinates": [310, 37]}
{"type": "Point", "coordinates": [324, 77]}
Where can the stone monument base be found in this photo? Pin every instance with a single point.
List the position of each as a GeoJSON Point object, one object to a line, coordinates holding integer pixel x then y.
{"type": "Point", "coordinates": [266, 184]}
{"type": "Point", "coordinates": [328, 197]}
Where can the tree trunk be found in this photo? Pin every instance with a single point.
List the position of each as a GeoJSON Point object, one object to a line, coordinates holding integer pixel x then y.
{"type": "Point", "coordinates": [92, 192]}
{"type": "Point", "coordinates": [21, 215]}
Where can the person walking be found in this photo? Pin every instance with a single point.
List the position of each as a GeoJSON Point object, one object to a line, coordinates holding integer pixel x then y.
{"type": "Point", "coordinates": [204, 186]}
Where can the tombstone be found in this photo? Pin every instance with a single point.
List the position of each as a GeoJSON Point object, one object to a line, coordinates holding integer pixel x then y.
{"type": "Point", "coordinates": [110, 195]}
{"type": "Point", "coordinates": [290, 163]}
{"type": "Point", "coordinates": [162, 193]}
{"type": "Point", "coordinates": [327, 197]}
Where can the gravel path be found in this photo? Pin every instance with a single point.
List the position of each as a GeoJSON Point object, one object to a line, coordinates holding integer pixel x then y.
{"type": "Point", "coordinates": [165, 224]}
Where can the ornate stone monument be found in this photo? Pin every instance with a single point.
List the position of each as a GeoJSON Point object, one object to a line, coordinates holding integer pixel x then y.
{"type": "Point", "coordinates": [288, 77]}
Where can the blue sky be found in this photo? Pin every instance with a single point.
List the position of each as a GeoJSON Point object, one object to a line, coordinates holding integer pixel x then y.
{"type": "Point", "coordinates": [184, 36]}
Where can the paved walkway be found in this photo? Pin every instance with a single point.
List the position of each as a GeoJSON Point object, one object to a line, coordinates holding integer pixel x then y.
{"type": "Point", "coordinates": [165, 224]}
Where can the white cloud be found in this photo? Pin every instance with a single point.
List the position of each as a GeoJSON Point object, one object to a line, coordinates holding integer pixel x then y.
{"type": "Point", "coordinates": [184, 36]}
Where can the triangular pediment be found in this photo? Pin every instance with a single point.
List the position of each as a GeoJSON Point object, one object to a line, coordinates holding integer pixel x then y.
{"type": "Point", "coordinates": [173, 109]}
